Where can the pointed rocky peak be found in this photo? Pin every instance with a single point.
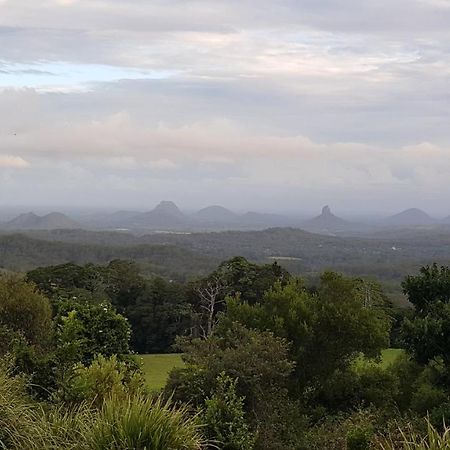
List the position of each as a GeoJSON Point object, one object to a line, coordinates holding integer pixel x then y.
{"type": "Point", "coordinates": [326, 212]}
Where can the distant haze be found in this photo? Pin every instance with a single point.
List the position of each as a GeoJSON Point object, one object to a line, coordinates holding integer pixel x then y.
{"type": "Point", "coordinates": [275, 106]}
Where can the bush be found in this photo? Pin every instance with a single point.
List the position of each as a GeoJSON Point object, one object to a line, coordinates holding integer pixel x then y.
{"type": "Point", "coordinates": [24, 310]}
{"type": "Point", "coordinates": [24, 425]}
{"type": "Point", "coordinates": [359, 438]}
{"type": "Point", "coordinates": [224, 417]}
{"type": "Point", "coordinates": [142, 423]}
{"type": "Point", "coordinates": [411, 440]}
{"type": "Point", "coordinates": [102, 378]}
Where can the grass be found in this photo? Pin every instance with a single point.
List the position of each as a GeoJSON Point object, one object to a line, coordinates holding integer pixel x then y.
{"type": "Point", "coordinates": [156, 368]}
{"type": "Point", "coordinates": [388, 357]}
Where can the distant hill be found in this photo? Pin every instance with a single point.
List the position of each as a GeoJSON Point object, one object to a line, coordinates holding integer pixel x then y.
{"type": "Point", "coordinates": [216, 214]}
{"type": "Point", "coordinates": [52, 221]}
{"type": "Point", "coordinates": [327, 223]}
{"type": "Point", "coordinates": [410, 217]}
{"type": "Point", "coordinates": [166, 215]}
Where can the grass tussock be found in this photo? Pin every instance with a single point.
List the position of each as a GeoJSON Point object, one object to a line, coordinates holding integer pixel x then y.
{"type": "Point", "coordinates": [410, 440]}
{"type": "Point", "coordinates": [143, 423]}
{"type": "Point", "coordinates": [138, 423]}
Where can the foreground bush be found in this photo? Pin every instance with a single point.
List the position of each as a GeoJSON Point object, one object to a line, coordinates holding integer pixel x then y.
{"type": "Point", "coordinates": [25, 425]}
{"type": "Point", "coordinates": [411, 440]}
{"type": "Point", "coordinates": [142, 423]}
{"type": "Point", "coordinates": [138, 423]}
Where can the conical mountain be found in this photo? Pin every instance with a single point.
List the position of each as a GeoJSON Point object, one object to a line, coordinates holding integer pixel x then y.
{"type": "Point", "coordinates": [326, 222]}
{"type": "Point", "coordinates": [165, 215]}
{"type": "Point", "coordinates": [24, 221]}
{"type": "Point", "coordinates": [411, 217]}
{"type": "Point", "coordinates": [216, 214]}
{"type": "Point", "coordinates": [167, 209]}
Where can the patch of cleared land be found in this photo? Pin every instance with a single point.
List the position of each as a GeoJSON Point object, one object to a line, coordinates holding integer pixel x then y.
{"type": "Point", "coordinates": [156, 368]}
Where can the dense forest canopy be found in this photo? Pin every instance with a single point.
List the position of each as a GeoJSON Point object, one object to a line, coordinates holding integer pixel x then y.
{"type": "Point", "coordinates": [270, 361]}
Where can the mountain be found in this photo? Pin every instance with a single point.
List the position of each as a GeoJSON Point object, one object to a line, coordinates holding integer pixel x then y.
{"type": "Point", "coordinates": [327, 223]}
{"type": "Point", "coordinates": [165, 215]}
{"type": "Point", "coordinates": [410, 217]}
{"type": "Point", "coordinates": [24, 221]}
{"type": "Point", "coordinates": [52, 221]}
{"type": "Point", "coordinates": [265, 220]}
{"type": "Point", "coordinates": [216, 214]}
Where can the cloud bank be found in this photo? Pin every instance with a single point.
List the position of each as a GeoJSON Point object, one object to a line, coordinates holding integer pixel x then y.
{"type": "Point", "coordinates": [261, 105]}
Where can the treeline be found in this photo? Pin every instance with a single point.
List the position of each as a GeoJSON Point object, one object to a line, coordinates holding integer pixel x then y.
{"type": "Point", "coordinates": [20, 253]}
{"type": "Point", "coordinates": [270, 361]}
{"type": "Point", "coordinates": [158, 309]}
{"type": "Point", "coordinates": [388, 258]}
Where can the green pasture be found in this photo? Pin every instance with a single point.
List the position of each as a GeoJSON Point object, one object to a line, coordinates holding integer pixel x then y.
{"type": "Point", "coordinates": [156, 368]}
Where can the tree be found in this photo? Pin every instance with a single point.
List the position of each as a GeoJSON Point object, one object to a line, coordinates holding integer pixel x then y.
{"type": "Point", "coordinates": [427, 334]}
{"type": "Point", "coordinates": [24, 310]}
{"type": "Point", "coordinates": [85, 330]}
{"type": "Point", "coordinates": [327, 329]}
{"type": "Point", "coordinates": [224, 416]}
{"type": "Point", "coordinates": [430, 287]}
{"type": "Point", "coordinates": [211, 293]}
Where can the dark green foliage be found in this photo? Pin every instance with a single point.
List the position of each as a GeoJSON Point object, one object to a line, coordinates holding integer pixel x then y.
{"type": "Point", "coordinates": [427, 333]}
{"type": "Point", "coordinates": [259, 362]}
{"type": "Point", "coordinates": [85, 330]}
{"type": "Point", "coordinates": [103, 378]}
{"type": "Point", "coordinates": [250, 281]}
{"type": "Point", "coordinates": [359, 438]}
{"type": "Point", "coordinates": [225, 418]}
{"type": "Point", "coordinates": [430, 287]}
{"type": "Point", "coordinates": [327, 330]}
{"type": "Point", "coordinates": [24, 310]}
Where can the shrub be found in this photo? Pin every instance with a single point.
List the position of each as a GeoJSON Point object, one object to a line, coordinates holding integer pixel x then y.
{"type": "Point", "coordinates": [359, 438]}
{"type": "Point", "coordinates": [142, 423]}
{"type": "Point", "coordinates": [102, 378]}
{"type": "Point", "coordinates": [224, 417]}
{"type": "Point", "coordinates": [411, 440]}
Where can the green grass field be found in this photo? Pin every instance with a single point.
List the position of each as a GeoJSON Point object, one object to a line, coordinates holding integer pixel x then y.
{"type": "Point", "coordinates": [156, 368]}
{"type": "Point", "coordinates": [388, 356]}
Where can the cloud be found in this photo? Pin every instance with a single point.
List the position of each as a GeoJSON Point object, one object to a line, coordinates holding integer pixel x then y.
{"type": "Point", "coordinates": [12, 162]}
{"type": "Point", "coordinates": [226, 98]}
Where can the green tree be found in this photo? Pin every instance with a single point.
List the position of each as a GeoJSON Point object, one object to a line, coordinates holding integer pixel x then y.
{"type": "Point", "coordinates": [24, 310]}
{"type": "Point", "coordinates": [225, 417]}
{"type": "Point", "coordinates": [427, 334]}
{"type": "Point", "coordinates": [327, 329]}
{"type": "Point", "coordinates": [85, 330]}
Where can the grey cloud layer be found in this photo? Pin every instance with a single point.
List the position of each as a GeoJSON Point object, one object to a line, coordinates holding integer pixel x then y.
{"type": "Point", "coordinates": [334, 98]}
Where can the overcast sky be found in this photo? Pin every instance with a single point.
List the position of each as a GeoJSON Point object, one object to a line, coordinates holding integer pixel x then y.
{"type": "Point", "coordinates": [280, 105]}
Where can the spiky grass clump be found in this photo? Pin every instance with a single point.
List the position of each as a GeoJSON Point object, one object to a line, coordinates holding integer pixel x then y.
{"type": "Point", "coordinates": [142, 423]}
{"type": "Point", "coordinates": [25, 425]}
{"type": "Point", "coordinates": [411, 440]}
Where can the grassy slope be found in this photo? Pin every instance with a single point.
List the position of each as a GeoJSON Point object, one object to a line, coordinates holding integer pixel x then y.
{"type": "Point", "coordinates": [389, 356]}
{"type": "Point", "coordinates": [156, 368]}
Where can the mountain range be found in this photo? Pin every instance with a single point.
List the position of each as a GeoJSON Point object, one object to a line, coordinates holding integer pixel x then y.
{"type": "Point", "coordinates": [51, 221]}
{"type": "Point", "coordinates": [167, 217]}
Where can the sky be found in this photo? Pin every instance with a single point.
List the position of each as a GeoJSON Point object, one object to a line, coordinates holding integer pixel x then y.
{"type": "Point", "coordinates": [280, 105]}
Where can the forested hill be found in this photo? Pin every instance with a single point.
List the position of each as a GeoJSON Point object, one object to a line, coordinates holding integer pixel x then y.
{"type": "Point", "coordinates": [19, 252]}
{"type": "Point", "coordinates": [387, 257]}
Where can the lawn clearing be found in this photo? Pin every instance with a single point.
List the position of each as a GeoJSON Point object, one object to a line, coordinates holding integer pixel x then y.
{"type": "Point", "coordinates": [388, 357]}
{"type": "Point", "coordinates": [156, 368]}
